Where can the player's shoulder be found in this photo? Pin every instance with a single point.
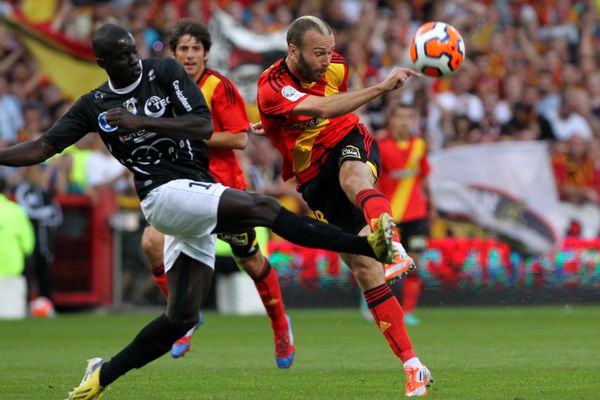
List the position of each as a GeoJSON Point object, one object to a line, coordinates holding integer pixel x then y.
{"type": "Point", "coordinates": [275, 76]}
{"type": "Point", "coordinates": [337, 58]}
{"type": "Point", "coordinates": [224, 80]}
{"type": "Point", "coordinates": [160, 66]}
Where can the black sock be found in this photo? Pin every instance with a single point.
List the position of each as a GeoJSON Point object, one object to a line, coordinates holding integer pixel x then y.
{"type": "Point", "coordinates": [309, 232]}
{"type": "Point", "coordinates": [154, 340]}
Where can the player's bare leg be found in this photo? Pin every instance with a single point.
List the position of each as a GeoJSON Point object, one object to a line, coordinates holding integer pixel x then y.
{"type": "Point", "coordinates": [153, 245]}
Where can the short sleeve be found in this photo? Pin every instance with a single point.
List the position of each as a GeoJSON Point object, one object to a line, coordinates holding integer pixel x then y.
{"type": "Point", "coordinates": [274, 99]}
{"type": "Point", "coordinates": [72, 126]}
{"type": "Point", "coordinates": [229, 108]}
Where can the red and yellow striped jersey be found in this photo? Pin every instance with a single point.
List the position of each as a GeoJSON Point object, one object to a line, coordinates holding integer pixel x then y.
{"type": "Point", "coordinates": [228, 112]}
{"type": "Point", "coordinates": [404, 164]}
{"type": "Point", "coordinates": [303, 141]}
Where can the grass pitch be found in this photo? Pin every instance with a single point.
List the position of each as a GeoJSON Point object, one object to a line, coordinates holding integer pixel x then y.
{"type": "Point", "coordinates": [518, 353]}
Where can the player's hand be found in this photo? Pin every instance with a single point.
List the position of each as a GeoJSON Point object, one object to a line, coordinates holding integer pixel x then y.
{"type": "Point", "coordinates": [257, 129]}
{"type": "Point", "coordinates": [397, 78]}
{"type": "Point", "coordinates": [122, 118]}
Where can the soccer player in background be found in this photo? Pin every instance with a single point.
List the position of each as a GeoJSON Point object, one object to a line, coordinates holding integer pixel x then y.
{"type": "Point", "coordinates": [153, 119]}
{"type": "Point", "coordinates": [308, 118]}
{"type": "Point", "coordinates": [190, 43]}
{"type": "Point", "coordinates": [404, 170]}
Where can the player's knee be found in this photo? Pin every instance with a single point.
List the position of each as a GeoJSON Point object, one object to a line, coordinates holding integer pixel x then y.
{"type": "Point", "coordinates": [253, 265]}
{"type": "Point", "coordinates": [367, 272]}
{"type": "Point", "coordinates": [265, 207]}
{"type": "Point", "coordinates": [183, 314]}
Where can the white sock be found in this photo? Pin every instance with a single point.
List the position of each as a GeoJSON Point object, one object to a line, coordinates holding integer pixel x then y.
{"type": "Point", "coordinates": [412, 363]}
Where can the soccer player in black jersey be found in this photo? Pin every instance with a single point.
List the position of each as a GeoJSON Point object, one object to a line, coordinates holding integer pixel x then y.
{"type": "Point", "coordinates": [153, 119]}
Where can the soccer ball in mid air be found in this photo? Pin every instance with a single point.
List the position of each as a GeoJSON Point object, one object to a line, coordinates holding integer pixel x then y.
{"type": "Point", "coordinates": [437, 49]}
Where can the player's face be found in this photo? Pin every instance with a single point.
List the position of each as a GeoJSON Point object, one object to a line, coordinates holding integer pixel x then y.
{"type": "Point", "coordinates": [402, 122]}
{"type": "Point", "coordinates": [313, 59]}
{"type": "Point", "coordinates": [190, 53]}
{"type": "Point", "coordinates": [123, 64]}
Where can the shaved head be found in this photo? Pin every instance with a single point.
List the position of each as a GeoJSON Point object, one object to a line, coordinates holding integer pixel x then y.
{"type": "Point", "coordinates": [107, 38]}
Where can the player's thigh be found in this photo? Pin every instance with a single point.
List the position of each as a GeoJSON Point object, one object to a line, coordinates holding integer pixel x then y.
{"type": "Point", "coordinates": [367, 271]}
{"type": "Point", "coordinates": [153, 242]}
{"type": "Point", "coordinates": [183, 207]}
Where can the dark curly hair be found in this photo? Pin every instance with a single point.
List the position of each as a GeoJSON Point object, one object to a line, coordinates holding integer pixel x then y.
{"type": "Point", "coordinates": [192, 27]}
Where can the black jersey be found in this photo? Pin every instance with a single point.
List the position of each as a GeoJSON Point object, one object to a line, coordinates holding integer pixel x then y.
{"type": "Point", "coordinates": [163, 90]}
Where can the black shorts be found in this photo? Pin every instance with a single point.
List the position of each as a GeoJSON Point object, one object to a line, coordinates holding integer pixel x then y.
{"type": "Point", "coordinates": [414, 234]}
{"type": "Point", "coordinates": [325, 196]}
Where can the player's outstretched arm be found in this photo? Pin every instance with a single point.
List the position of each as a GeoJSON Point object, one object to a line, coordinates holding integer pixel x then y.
{"type": "Point", "coordinates": [344, 103]}
{"type": "Point", "coordinates": [187, 126]}
{"type": "Point", "coordinates": [27, 153]}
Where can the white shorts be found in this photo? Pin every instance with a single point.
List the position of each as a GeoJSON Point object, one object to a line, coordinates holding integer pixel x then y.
{"type": "Point", "coordinates": [186, 212]}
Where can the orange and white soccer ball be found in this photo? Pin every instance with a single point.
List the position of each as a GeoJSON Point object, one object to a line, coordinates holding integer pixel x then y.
{"type": "Point", "coordinates": [437, 49]}
{"type": "Point", "coordinates": [41, 307]}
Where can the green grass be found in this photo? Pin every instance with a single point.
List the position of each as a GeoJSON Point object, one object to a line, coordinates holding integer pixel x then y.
{"type": "Point", "coordinates": [474, 353]}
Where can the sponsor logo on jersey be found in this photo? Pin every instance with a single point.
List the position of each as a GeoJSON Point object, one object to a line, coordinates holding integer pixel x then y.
{"type": "Point", "coordinates": [105, 125]}
{"type": "Point", "coordinates": [309, 123]}
{"type": "Point", "coordinates": [350, 152]}
{"type": "Point", "coordinates": [151, 75]}
{"type": "Point", "coordinates": [184, 101]}
{"type": "Point", "coordinates": [291, 94]}
{"type": "Point", "coordinates": [155, 106]}
{"type": "Point", "coordinates": [137, 136]}
{"type": "Point", "coordinates": [98, 95]}
{"type": "Point", "coordinates": [130, 105]}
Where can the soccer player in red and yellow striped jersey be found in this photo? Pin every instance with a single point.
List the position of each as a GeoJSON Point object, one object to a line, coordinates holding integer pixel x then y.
{"type": "Point", "coordinates": [307, 114]}
{"type": "Point", "coordinates": [190, 43]}
{"type": "Point", "coordinates": [404, 170]}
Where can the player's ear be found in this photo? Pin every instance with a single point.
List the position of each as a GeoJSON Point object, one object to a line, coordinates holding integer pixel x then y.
{"type": "Point", "coordinates": [293, 49]}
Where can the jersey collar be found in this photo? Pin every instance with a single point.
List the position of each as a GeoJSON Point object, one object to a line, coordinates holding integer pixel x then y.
{"type": "Point", "coordinates": [127, 89]}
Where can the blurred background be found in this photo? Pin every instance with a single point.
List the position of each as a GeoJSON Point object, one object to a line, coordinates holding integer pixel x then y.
{"type": "Point", "coordinates": [513, 141]}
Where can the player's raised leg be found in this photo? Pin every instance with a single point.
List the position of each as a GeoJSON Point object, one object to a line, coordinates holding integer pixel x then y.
{"type": "Point", "coordinates": [242, 209]}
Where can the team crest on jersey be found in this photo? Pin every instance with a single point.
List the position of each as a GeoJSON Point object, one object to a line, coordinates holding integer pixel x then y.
{"type": "Point", "coordinates": [130, 105]}
{"type": "Point", "coordinates": [291, 94]}
{"type": "Point", "coordinates": [155, 106]}
{"type": "Point", "coordinates": [350, 152]}
{"type": "Point", "coordinates": [105, 126]}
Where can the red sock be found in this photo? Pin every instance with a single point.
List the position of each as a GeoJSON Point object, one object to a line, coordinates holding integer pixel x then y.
{"type": "Point", "coordinates": [372, 203]}
{"type": "Point", "coordinates": [411, 289]}
{"type": "Point", "coordinates": [389, 318]}
{"type": "Point", "coordinates": [160, 278]}
{"type": "Point", "coordinates": [268, 288]}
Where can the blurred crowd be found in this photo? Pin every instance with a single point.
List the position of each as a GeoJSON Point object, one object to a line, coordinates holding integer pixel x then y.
{"type": "Point", "coordinates": [531, 73]}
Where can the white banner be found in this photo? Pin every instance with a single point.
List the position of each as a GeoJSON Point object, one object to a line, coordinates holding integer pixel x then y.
{"type": "Point", "coordinates": [506, 187]}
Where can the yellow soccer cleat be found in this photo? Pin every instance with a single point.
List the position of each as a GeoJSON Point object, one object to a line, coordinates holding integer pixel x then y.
{"type": "Point", "coordinates": [381, 239]}
{"type": "Point", "coordinates": [418, 379]}
{"type": "Point", "coordinates": [89, 388]}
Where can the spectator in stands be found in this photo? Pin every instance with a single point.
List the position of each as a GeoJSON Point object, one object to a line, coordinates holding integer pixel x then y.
{"type": "Point", "coordinates": [576, 176]}
{"type": "Point", "coordinates": [11, 115]}
{"type": "Point", "coordinates": [567, 122]}
{"type": "Point", "coordinates": [35, 194]}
